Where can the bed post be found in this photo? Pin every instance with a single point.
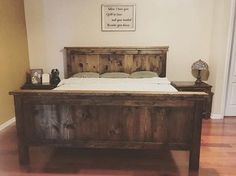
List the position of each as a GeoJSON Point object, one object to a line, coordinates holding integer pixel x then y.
{"type": "Point", "coordinates": [196, 138]}
{"type": "Point", "coordinates": [23, 148]}
{"type": "Point", "coordinates": [67, 63]}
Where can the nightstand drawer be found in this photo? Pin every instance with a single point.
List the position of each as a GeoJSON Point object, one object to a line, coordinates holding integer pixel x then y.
{"type": "Point", "coordinates": [194, 89]}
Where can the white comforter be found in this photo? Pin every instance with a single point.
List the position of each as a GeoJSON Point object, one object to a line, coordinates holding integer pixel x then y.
{"type": "Point", "coordinates": [117, 84]}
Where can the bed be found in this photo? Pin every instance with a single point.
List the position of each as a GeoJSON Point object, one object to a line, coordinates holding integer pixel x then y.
{"type": "Point", "coordinates": [116, 117]}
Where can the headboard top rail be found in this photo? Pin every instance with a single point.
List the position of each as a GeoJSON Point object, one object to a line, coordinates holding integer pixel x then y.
{"type": "Point", "coordinates": [113, 59]}
{"type": "Point", "coordinates": [117, 50]}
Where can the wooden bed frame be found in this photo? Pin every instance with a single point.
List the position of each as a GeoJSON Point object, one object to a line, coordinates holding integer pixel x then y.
{"type": "Point", "coordinates": [121, 120]}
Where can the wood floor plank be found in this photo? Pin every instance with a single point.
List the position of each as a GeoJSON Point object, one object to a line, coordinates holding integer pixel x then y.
{"type": "Point", "coordinates": [218, 157]}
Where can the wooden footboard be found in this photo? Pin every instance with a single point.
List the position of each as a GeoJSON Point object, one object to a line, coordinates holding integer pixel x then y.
{"type": "Point", "coordinates": [109, 120]}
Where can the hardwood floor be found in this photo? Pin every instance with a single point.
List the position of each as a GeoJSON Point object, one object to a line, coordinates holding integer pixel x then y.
{"type": "Point", "coordinates": [218, 157]}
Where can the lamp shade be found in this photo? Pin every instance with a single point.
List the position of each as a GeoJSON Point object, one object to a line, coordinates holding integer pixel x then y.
{"type": "Point", "coordinates": [200, 65]}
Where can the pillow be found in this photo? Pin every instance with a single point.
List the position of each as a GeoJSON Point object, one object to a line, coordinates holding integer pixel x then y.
{"type": "Point", "coordinates": [114, 75]}
{"type": "Point", "coordinates": [86, 75]}
{"type": "Point", "coordinates": [143, 74]}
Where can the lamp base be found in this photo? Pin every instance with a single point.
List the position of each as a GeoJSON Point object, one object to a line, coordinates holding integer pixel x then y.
{"type": "Point", "coordinates": [198, 81]}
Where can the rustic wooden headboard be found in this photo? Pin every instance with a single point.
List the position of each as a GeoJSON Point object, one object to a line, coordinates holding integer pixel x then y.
{"type": "Point", "coordinates": [112, 59]}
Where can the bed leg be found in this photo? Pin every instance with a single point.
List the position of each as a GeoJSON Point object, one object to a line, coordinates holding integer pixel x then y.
{"type": "Point", "coordinates": [196, 138]}
{"type": "Point", "coordinates": [23, 148]}
{"type": "Point", "coordinates": [194, 160]}
{"type": "Point", "coordinates": [23, 152]}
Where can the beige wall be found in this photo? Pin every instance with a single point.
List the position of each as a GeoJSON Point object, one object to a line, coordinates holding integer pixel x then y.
{"type": "Point", "coordinates": [13, 53]}
{"type": "Point", "coordinates": [220, 53]}
{"type": "Point", "coordinates": [184, 25]}
{"type": "Point", "coordinates": [194, 29]}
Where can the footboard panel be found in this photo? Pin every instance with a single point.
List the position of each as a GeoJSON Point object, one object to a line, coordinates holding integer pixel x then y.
{"type": "Point", "coordinates": [138, 121]}
{"type": "Point", "coordinates": [71, 123]}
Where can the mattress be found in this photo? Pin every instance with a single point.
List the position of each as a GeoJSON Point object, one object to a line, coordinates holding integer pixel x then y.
{"type": "Point", "coordinates": [117, 84]}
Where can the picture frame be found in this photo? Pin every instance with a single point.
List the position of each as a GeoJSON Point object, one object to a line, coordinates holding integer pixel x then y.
{"type": "Point", "coordinates": [45, 79]}
{"type": "Point", "coordinates": [118, 17]}
{"type": "Point", "coordinates": [36, 76]}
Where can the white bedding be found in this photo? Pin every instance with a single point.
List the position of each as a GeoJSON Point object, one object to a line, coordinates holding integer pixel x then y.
{"type": "Point", "coordinates": [117, 84]}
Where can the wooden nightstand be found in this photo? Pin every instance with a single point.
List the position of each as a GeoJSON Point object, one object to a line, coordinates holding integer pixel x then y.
{"type": "Point", "coordinates": [38, 86]}
{"type": "Point", "coordinates": [192, 87]}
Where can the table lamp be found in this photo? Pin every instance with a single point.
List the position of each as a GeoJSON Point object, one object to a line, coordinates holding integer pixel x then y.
{"type": "Point", "coordinates": [199, 66]}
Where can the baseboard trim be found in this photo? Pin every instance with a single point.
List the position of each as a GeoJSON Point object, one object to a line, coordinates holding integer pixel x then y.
{"type": "Point", "coordinates": [217, 116]}
{"type": "Point", "coordinates": [7, 123]}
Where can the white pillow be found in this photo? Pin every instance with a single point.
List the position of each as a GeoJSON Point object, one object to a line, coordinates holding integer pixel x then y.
{"type": "Point", "coordinates": [114, 75]}
{"type": "Point", "coordinates": [86, 75]}
{"type": "Point", "coordinates": [143, 74]}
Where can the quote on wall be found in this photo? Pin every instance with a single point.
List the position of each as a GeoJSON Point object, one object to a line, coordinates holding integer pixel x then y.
{"type": "Point", "coordinates": [118, 17]}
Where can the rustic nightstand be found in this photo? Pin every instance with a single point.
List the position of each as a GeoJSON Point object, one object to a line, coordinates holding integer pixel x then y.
{"type": "Point", "coordinates": [192, 87]}
{"type": "Point", "coordinates": [38, 86]}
